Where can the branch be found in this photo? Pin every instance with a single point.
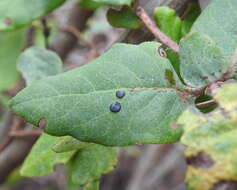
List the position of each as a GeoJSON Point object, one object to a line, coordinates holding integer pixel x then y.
{"type": "Point", "coordinates": [65, 41]}
{"type": "Point", "coordinates": [143, 34]}
{"type": "Point", "coordinates": [151, 25]}
{"type": "Point", "coordinates": [206, 104]}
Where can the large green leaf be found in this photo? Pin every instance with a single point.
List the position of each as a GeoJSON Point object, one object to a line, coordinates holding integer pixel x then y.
{"type": "Point", "coordinates": [41, 160]}
{"type": "Point", "coordinates": [77, 102]}
{"type": "Point", "coordinates": [36, 63]}
{"type": "Point", "coordinates": [10, 47]}
{"type": "Point", "coordinates": [218, 21]}
{"type": "Point", "coordinates": [90, 163]}
{"type": "Point", "coordinates": [211, 142]}
{"type": "Point", "coordinates": [202, 61]}
{"type": "Point", "coordinates": [17, 13]}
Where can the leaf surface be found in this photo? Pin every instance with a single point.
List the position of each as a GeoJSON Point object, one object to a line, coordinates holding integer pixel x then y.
{"type": "Point", "coordinates": [42, 159]}
{"type": "Point", "coordinates": [124, 18]}
{"type": "Point", "coordinates": [218, 20]}
{"type": "Point", "coordinates": [93, 4]}
{"type": "Point", "coordinates": [77, 103]}
{"type": "Point", "coordinates": [90, 163]}
{"type": "Point", "coordinates": [67, 144]}
{"type": "Point", "coordinates": [202, 61]}
{"type": "Point", "coordinates": [211, 141]}
{"type": "Point", "coordinates": [10, 47]}
{"type": "Point", "coordinates": [17, 13]}
{"type": "Point", "coordinates": [36, 63]}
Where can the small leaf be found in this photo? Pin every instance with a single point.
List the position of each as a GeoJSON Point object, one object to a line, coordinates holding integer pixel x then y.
{"type": "Point", "coordinates": [41, 160]}
{"type": "Point", "coordinates": [77, 103]}
{"type": "Point", "coordinates": [93, 4]}
{"type": "Point", "coordinates": [190, 16]}
{"type": "Point", "coordinates": [91, 162]}
{"type": "Point", "coordinates": [67, 144]}
{"type": "Point", "coordinates": [36, 63]}
{"type": "Point", "coordinates": [124, 18]}
{"type": "Point", "coordinates": [168, 22]}
{"type": "Point", "coordinates": [10, 47]}
{"type": "Point", "coordinates": [18, 13]}
{"type": "Point", "coordinates": [211, 142]}
{"type": "Point", "coordinates": [202, 61]}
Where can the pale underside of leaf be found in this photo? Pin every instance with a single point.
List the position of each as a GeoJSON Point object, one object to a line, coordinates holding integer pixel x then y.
{"type": "Point", "coordinates": [202, 61]}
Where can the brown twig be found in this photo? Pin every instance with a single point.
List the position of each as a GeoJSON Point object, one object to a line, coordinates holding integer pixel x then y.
{"type": "Point", "coordinates": [94, 53]}
{"type": "Point", "coordinates": [22, 133]}
{"type": "Point", "coordinates": [16, 123]}
{"type": "Point", "coordinates": [150, 24]}
{"type": "Point", "coordinates": [46, 31]}
{"type": "Point", "coordinates": [206, 104]}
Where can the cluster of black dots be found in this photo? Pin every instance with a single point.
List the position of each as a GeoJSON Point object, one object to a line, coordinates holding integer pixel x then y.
{"type": "Point", "coordinates": [116, 106]}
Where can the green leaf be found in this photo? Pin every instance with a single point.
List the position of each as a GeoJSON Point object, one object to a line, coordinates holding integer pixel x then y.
{"type": "Point", "coordinates": [202, 61]}
{"type": "Point", "coordinates": [94, 185]}
{"type": "Point", "coordinates": [211, 141]}
{"type": "Point", "coordinates": [68, 144]}
{"type": "Point", "coordinates": [10, 47]}
{"type": "Point", "coordinates": [93, 4]}
{"type": "Point", "coordinates": [92, 162]}
{"type": "Point", "coordinates": [168, 22]}
{"type": "Point", "coordinates": [36, 63]}
{"type": "Point", "coordinates": [17, 13]}
{"type": "Point", "coordinates": [77, 102]}
{"type": "Point", "coordinates": [41, 160]}
{"type": "Point", "coordinates": [218, 21]}
{"type": "Point", "coordinates": [190, 16]}
{"type": "Point", "coordinates": [124, 18]}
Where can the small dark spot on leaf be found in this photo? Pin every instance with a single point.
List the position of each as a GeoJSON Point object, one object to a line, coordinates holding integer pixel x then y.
{"type": "Point", "coordinates": [115, 107]}
{"type": "Point", "coordinates": [225, 185]}
{"type": "Point", "coordinates": [201, 160]}
{"type": "Point", "coordinates": [42, 123]}
{"type": "Point", "coordinates": [120, 93]}
{"type": "Point", "coordinates": [161, 51]}
{"type": "Point", "coordinates": [7, 21]}
{"type": "Point", "coordinates": [169, 76]}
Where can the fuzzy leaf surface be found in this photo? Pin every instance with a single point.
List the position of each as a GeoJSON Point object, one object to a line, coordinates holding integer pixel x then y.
{"type": "Point", "coordinates": [202, 61]}
{"type": "Point", "coordinates": [77, 103]}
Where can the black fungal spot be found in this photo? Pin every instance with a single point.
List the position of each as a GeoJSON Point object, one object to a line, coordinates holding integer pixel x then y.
{"type": "Point", "coordinates": [115, 107]}
{"type": "Point", "coordinates": [120, 93]}
{"type": "Point", "coordinates": [201, 160]}
{"type": "Point", "coordinates": [162, 52]}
